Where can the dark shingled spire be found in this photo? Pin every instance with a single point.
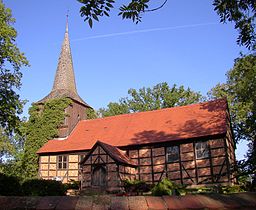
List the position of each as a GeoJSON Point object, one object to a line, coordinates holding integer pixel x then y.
{"type": "Point", "coordinates": [64, 83]}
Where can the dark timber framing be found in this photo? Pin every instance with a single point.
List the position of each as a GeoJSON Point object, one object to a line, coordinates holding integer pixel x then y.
{"type": "Point", "coordinates": [152, 164]}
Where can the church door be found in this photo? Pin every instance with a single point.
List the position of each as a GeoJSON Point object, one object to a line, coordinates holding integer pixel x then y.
{"type": "Point", "coordinates": [99, 176]}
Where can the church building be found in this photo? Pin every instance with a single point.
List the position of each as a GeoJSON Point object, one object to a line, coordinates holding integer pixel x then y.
{"type": "Point", "coordinates": [190, 145]}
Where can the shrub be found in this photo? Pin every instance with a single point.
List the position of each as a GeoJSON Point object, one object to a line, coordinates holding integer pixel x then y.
{"type": "Point", "coordinates": [137, 186]}
{"type": "Point", "coordinates": [72, 184]}
{"type": "Point", "coordinates": [217, 189]}
{"type": "Point", "coordinates": [166, 187]}
{"type": "Point", "coordinates": [232, 189]}
{"type": "Point", "coordinates": [41, 187]}
{"type": "Point", "coordinates": [9, 185]}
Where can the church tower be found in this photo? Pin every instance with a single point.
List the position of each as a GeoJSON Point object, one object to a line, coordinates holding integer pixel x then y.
{"type": "Point", "coordinates": [64, 86]}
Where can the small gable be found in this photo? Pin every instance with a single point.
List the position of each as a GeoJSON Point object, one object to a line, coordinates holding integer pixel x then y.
{"type": "Point", "coordinates": [102, 153]}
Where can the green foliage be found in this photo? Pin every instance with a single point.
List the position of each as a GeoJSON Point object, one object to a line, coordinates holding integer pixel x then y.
{"type": "Point", "coordinates": [42, 125]}
{"type": "Point", "coordinates": [240, 90]}
{"type": "Point", "coordinates": [72, 184]}
{"type": "Point", "coordinates": [135, 186]}
{"type": "Point", "coordinates": [246, 183]}
{"type": "Point", "coordinates": [204, 190]}
{"type": "Point", "coordinates": [9, 185]}
{"type": "Point", "coordinates": [91, 114]}
{"type": "Point", "coordinates": [93, 10]}
{"type": "Point", "coordinates": [134, 9]}
{"type": "Point", "coordinates": [11, 61]}
{"type": "Point", "coordinates": [216, 189]}
{"type": "Point", "coordinates": [114, 108]}
{"type": "Point", "coordinates": [158, 97]}
{"type": "Point", "coordinates": [166, 187]}
{"type": "Point", "coordinates": [242, 13]}
{"type": "Point", "coordinates": [6, 146]}
{"type": "Point", "coordinates": [41, 187]}
{"type": "Point", "coordinates": [232, 189]}
{"type": "Point", "coordinates": [13, 167]}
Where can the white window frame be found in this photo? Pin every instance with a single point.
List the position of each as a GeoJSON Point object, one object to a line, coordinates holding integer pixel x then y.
{"type": "Point", "coordinates": [172, 154]}
{"type": "Point", "coordinates": [201, 150]}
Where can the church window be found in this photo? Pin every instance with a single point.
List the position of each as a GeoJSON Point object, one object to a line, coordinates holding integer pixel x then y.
{"type": "Point", "coordinates": [172, 154]}
{"type": "Point", "coordinates": [202, 150]}
{"type": "Point", "coordinates": [62, 161]}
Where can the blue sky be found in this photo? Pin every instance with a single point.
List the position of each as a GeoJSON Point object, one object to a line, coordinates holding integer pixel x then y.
{"type": "Point", "coordinates": [183, 43]}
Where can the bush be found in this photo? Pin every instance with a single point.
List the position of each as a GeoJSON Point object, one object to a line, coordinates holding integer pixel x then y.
{"type": "Point", "coordinates": [41, 187]}
{"type": "Point", "coordinates": [166, 187]}
{"type": "Point", "coordinates": [136, 186]}
{"type": "Point", "coordinates": [205, 190]}
{"type": "Point", "coordinates": [72, 184]}
{"type": "Point", "coordinates": [217, 189]}
{"type": "Point", "coordinates": [9, 185]}
{"type": "Point", "coordinates": [232, 189]}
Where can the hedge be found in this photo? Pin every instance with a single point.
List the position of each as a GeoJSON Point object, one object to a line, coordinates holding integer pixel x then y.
{"type": "Point", "coordinates": [10, 186]}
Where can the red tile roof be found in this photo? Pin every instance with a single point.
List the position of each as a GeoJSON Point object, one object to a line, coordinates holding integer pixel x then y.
{"type": "Point", "coordinates": [171, 124]}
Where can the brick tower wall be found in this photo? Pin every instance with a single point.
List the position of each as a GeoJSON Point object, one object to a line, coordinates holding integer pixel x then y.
{"type": "Point", "coordinates": [75, 112]}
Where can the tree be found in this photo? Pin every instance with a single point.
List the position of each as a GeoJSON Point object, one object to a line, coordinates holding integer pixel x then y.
{"type": "Point", "coordinates": [158, 97]}
{"type": "Point", "coordinates": [42, 126]}
{"type": "Point", "coordinates": [240, 90]}
{"type": "Point", "coordinates": [241, 12]}
{"type": "Point", "coordinates": [91, 114]}
{"type": "Point", "coordinates": [6, 147]}
{"type": "Point", "coordinates": [114, 108]}
{"type": "Point", "coordinates": [11, 62]}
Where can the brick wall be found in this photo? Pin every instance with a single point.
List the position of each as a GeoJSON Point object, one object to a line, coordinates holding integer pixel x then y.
{"type": "Point", "coordinates": [75, 112]}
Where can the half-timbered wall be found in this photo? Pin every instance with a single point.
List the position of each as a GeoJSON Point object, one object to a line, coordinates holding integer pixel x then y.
{"type": "Point", "coordinates": [115, 172]}
{"type": "Point", "coordinates": [152, 165]}
{"type": "Point", "coordinates": [49, 167]}
{"type": "Point", "coordinates": [230, 147]}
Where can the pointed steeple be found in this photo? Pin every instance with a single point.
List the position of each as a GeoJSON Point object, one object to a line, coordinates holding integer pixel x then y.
{"type": "Point", "coordinates": [65, 78]}
{"type": "Point", "coordinates": [64, 83]}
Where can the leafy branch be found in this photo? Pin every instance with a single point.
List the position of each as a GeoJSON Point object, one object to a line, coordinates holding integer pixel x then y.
{"type": "Point", "coordinates": [93, 9]}
{"type": "Point", "coordinates": [242, 13]}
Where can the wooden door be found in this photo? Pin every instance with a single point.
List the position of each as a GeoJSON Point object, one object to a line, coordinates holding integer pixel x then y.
{"type": "Point", "coordinates": [99, 176]}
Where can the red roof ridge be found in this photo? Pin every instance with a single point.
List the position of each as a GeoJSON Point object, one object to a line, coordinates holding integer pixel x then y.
{"type": "Point", "coordinates": [157, 110]}
{"type": "Point", "coordinates": [169, 124]}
